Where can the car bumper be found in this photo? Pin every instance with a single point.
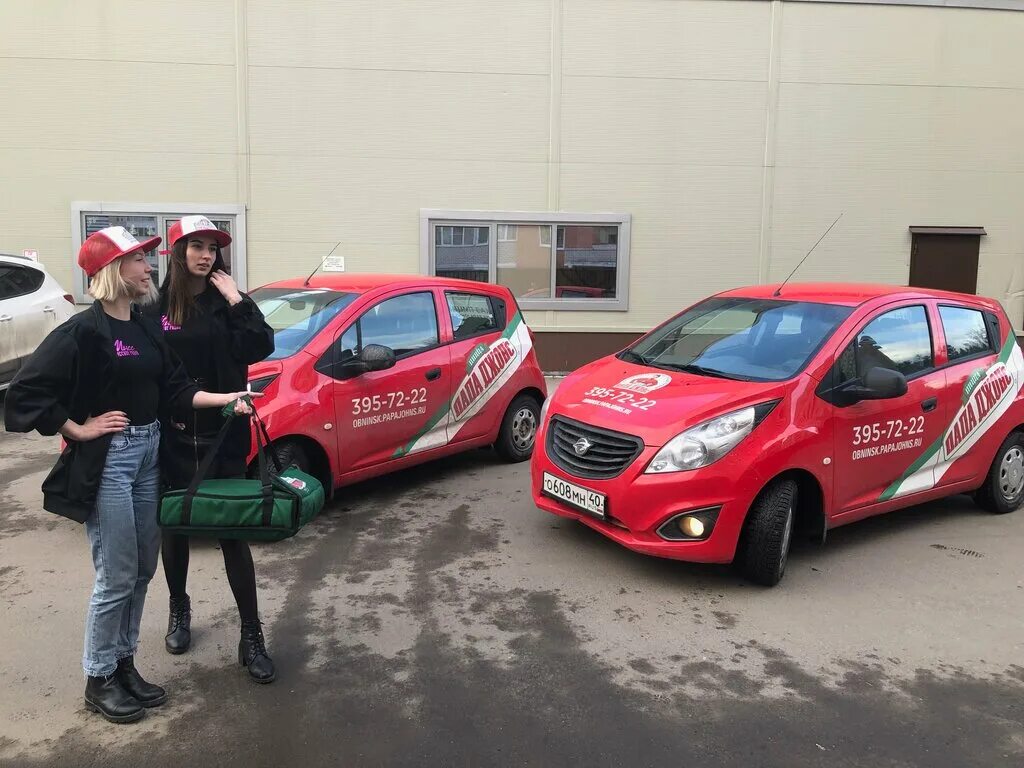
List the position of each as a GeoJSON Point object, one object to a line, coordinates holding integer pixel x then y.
{"type": "Point", "coordinates": [637, 505]}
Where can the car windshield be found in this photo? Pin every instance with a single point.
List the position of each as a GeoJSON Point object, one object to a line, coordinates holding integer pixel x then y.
{"type": "Point", "coordinates": [298, 314]}
{"type": "Point", "coordinates": [737, 338]}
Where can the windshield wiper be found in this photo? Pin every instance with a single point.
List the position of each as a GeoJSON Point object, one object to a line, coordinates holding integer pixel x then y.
{"type": "Point", "coordinates": [702, 371]}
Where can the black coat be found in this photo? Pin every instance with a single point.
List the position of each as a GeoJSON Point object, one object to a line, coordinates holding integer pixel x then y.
{"type": "Point", "coordinates": [71, 376]}
{"type": "Point", "coordinates": [240, 337]}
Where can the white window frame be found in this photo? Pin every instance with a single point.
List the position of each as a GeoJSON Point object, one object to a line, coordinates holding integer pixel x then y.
{"type": "Point", "coordinates": [429, 217]}
{"type": "Point", "coordinates": [239, 263]}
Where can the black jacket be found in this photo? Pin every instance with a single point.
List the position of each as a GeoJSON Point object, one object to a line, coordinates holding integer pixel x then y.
{"type": "Point", "coordinates": [240, 337]}
{"type": "Point", "coordinates": [71, 376]}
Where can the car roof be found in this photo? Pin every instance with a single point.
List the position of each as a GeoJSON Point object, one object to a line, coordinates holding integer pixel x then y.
{"type": "Point", "coordinates": [850, 294]}
{"type": "Point", "coordinates": [23, 261]}
{"type": "Point", "coordinates": [363, 283]}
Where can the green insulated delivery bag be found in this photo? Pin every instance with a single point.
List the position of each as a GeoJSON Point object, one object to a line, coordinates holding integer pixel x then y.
{"type": "Point", "coordinates": [271, 508]}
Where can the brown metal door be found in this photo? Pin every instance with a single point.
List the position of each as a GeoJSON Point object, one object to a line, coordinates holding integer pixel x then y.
{"type": "Point", "coordinates": [946, 262]}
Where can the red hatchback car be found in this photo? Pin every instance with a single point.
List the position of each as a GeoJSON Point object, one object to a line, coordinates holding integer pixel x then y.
{"type": "Point", "coordinates": [374, 373]}
{"type": "Point", "coordinates": [762, 411]}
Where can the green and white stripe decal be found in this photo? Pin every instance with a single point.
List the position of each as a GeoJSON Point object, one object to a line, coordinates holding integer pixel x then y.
{"type": "Point", "coordinates": [988, 394]}
{"type": "Point", "coordinates": [489, 368]}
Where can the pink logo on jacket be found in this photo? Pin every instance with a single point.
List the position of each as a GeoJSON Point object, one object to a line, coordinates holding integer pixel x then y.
{"type": "Point", "coordinates": [125, 350]}
{"type": "Point", "coordinates": [167, 325]}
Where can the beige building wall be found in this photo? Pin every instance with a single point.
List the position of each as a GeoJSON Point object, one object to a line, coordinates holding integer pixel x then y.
{"type": "Point", "coordinates": [732, 131]}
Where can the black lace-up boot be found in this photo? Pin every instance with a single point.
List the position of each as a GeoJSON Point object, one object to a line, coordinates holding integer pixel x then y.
{"type": "Point", "coordinates": [252, 653]}
{"type": "Point", "coordinates": [106, 695]}
{"type": "Point", "coordinates": [179, 625]}
{"type": "Point", "coordinates": [147, 694]}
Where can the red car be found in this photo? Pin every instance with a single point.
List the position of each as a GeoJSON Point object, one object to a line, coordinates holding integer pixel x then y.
{"type": "Point", "coordinates": [374, 373]}
{"type": "Point", "coordinates": [761, 411]}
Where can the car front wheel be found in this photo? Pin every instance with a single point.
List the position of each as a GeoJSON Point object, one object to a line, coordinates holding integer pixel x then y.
{"type": "Point", "coordinates": [767, 533]}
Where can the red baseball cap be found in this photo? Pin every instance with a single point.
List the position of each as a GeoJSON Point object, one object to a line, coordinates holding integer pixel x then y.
{"type": "Point", "coordinates": [103, 247]}
{"type": "Point", "coordinates": [190, 225]}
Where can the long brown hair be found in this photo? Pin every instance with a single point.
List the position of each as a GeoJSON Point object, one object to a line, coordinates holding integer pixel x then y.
{"type": "Point", "coordinates": [180, 301]}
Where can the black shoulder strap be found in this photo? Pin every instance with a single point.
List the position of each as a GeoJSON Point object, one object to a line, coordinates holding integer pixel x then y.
{"type": "Point", "coordinates": [266, 486]}
{"type": "Point", "coordinates": [263, 439]}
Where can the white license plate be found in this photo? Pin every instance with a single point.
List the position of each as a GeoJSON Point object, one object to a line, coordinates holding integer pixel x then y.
{"type": "Point", "coordinates": [574, 495]}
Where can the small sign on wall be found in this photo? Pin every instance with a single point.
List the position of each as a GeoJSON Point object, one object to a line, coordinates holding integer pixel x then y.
{"type": "Point", "coordinates": [30, 254]}
{"type": "Point", "coordinates": [334, 264]}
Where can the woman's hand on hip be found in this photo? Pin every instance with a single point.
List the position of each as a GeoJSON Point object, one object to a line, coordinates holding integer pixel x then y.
{"type": "Point", "coordinates": [95, 426]}
{"type": "Point", "coordinates": [224, 283]}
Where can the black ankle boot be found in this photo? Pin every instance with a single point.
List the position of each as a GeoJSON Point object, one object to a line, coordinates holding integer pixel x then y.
{"type": "Point", "coordinates": [107, 696]}
{"type": "Point", "coordinates": [147, 694]}
{"type": "Point", "coordinates": [252, 653]}
{"type": "Point", "coordinates": [179, 625]}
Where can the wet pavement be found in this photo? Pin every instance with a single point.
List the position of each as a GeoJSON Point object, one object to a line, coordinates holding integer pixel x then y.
{"type": "Point", "coordinates": [435, 617]}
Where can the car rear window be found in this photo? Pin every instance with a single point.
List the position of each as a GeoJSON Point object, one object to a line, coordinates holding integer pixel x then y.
{"type": "Point", "coordinates": [297, 315]}
{"type": "Point", "coordinates": [473, 314]}
{"type": "Point", "coordinates": [19, 281]}
{"type": "Point", "coordinates": [967, 333]}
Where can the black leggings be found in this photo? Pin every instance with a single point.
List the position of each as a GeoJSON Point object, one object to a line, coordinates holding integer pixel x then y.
{"type": "Point", "coordinates": [237, 562]}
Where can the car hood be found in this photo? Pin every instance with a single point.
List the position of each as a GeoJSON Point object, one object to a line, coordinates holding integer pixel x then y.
{"type": "Point", "coordinates": [652, 403]}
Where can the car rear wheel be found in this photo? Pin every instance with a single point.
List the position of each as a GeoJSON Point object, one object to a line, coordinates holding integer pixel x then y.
{"type": "Point", "coordinates": [518, 431]}
{"type": "Point", "coordinates": [1003, 490]}
{"type": "Point", "coordinates": [764, 542]}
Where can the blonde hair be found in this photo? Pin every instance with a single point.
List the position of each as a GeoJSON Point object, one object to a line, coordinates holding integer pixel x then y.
{"type": "Point", "coordinates": [108, 285]}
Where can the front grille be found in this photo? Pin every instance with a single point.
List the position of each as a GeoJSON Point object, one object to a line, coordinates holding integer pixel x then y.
{"type": "Point", "coordinates": [609, 454]}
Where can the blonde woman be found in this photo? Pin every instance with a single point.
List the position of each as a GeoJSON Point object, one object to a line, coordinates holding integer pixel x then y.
{"type": "Point", "coordinates": [100, 380]}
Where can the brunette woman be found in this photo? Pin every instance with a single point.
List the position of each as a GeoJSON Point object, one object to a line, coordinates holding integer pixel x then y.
{"type": "Point", "coordinates": [218, 332]}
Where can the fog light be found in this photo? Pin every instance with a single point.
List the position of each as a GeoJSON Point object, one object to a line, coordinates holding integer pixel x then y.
{"type": "Point", "coordinates": [691, 526]}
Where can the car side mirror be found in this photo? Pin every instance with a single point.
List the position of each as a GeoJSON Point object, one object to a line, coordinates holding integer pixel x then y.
{"type": "Point", "coordinates": [376, 357]}
{"type": "Point", "coordinates": [885, 383]}
{"type": "Point", "coordinates": [877, 384]}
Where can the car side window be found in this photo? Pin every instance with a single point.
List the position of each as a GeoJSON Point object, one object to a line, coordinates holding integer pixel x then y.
{"type": "Point", "coordinates": [18, 281]}
{"type": "Point", "coordinates": [471, 314]}
{"type": "Point", "coordinates": [900, 340]}
{"type": "Point", "coordinates": [348, 345]}
{"type": "Point", "coordinates": [967, 333]}
{"type": "Point", "coordinates": [405, 324]}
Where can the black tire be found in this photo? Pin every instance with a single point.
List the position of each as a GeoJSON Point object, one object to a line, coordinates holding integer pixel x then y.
{"type": "Point", "coordinates": [767, 533]}
{"type": "Point", "coordinates": [518, 431]}
{"type": "Point", "coordinates": [292, 453]}
{"type": "Point", "coordinates": [1003, 490]}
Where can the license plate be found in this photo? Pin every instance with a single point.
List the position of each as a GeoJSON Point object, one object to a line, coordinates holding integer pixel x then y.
{"type": "Point", "coordinates": [574, 495]}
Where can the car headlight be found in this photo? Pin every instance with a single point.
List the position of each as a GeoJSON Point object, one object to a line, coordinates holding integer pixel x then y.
{"type": "Point", "coordinates": [260, 384]}
{"type": "Point", "coordinates": [708, 442]}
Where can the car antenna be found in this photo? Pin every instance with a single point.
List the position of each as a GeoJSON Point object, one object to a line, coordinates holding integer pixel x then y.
{"type": "Point", "coordinates": [321, 264]}
{"type": "Point", "coordinates": [778, 291]}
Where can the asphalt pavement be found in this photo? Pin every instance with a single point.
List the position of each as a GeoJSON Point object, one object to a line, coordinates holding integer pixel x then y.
{"type": "Point", "coordinates": [436, 617]}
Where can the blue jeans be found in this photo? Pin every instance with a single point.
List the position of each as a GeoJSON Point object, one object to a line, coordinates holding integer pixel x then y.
{"type": "Point", "coordinates": [125, 539]}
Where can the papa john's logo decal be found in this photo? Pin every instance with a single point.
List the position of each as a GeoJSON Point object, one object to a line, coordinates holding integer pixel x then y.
{"type": "Point", "coordinates": [485, 371]}
{"type": "Point", "coordinates": [988, 394]}
{"type": "Point", "coordinates": [645, 383]}
{"type": "Point", "coordinates": [983, 391]}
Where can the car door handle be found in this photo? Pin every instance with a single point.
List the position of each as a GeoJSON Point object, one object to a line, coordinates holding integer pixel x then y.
{"type": "Point", "coordinates": [6, 318]}
{"type": "Point", "coordinates": [49, 309]}
{"type": "Point", "coordinates": [433, 374]}
{"type": "Point", "coordinates": [929, 404]}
